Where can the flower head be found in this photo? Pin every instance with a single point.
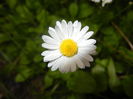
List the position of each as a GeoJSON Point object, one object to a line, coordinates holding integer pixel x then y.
{"type": "Point", "coordinates": [68, 46]}
{"type": "Point", "coordinates": [103, 2]}
{"type": "Point", "coordinates": [96, 1]}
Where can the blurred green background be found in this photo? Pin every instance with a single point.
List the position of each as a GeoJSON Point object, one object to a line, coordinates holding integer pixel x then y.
{"type": "Point", "coordinates": [23, 75]}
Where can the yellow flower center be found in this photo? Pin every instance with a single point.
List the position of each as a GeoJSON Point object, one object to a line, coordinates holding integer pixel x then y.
{"type": "Point", "coordinates": [68, 47]}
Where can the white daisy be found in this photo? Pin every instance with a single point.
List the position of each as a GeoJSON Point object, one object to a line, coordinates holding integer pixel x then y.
{"type": "Point", "coordinates": [68, 46]}
{"type": "Point", "coordinates": [96, 1]}
{"type": "Point", "coordinates": [103, 2]}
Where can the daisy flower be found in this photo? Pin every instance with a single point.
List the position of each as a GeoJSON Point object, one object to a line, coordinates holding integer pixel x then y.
{"type": "Point", "coordinates": [103, 2]}
{"type": "Point", "coordinates": [96, 1]}
{"type": "Point", "coordinates": [68, 46]}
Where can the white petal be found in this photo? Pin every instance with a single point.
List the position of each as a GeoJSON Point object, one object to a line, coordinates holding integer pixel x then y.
{"type": "Point", "coordinates": [93, 52]}
{"type": "Point", "coordinates": [52, 57]}
{"type": "Point", "coordinates": [75, 23]}
{"type": "Point", "coordinates": [70, 28]}
{"type": "Point", "coordinates": [73, 65]}
{"type": "Point", "coordinates": [85, 56]}
{"type": "Point", "coordinates": [58, 24]}
{"type": "Point", "coordinates": [57, 64]}
{"type": "Point", "coordinates": [77, 26]}
{"type": "Point", "coordinates": [65, 67]}
{"type": "Point", "coordinates": [82, 33]}
{"type": "Point", "coordinates": [47, 52]}
{"type": "Point", "coordinates": [76, 31]}
{"type": "Point", "coordinates": [49, 40]}
{"type": "Point", "coordinates": [64, 28]}
{"type": "Point", "coordinates": [43, 53]}
{"type": "Point", "coordinates": [84, 30]}
{"type": "Point", "coordinates": [87, 49]}
{"type": "Point", "coordinates": [86, 42]}
{"type": "Point", "coordinates": [91, 41]}
{"type": "Point", "coordinates": [51, 63]}
{"type": "Point", "coordinates": [79, 62]}
{"type": "Point", "coordinates": [48, 46]}
{"type": "Point", "coordinates": [59, 32]}
{"type": "Point", "coordinates": [86, 63]}
{"type": "Point", "coordinates": [88, 35]}
{"type": "Point", "coordinates": [54, 67]}
{"type": "Point", "coordinates": [53, 34]}
{"type": "Point", "coordinates": [69, 64]}
{"type": "Point", "coordinates": [64, 23]}
{"type": "Point", "coordinates": [62, 68]}
{"type": "Point", "coordinates": [91, 58]}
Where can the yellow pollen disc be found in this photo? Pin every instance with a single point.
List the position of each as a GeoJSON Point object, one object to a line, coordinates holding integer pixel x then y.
{"type": "Point", "coordinates": [68, 47]}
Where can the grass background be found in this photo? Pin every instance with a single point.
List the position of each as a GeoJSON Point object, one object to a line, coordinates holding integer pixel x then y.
{"type": "Point", "coordinates": [23, 75]}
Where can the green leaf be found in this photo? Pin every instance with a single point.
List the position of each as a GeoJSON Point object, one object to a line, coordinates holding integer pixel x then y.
{"type": "Point", "coordinates": [111, 38]}
{"type": "Point", "coordinates": [30, 46]}
{"type": "Point", "coordinates": [41, 15]}
{"type": "Point", "coordinates": [48, 81]}
{"type": "Point", "coordinates": [98, 69]}
{"type": "Point", "coordinates": [85, 10]}
{"type": "Point", "coordinates": [130, 16]}
{"type": "Point", "coordinates": [3, 38]}
{"type": "Point", "coordinates": [24, 60]}
{"type": "Point", "coordinates": [94, 27]}
{"type": "Point", "coordinates": [105, 16]}
{"type": "Point", "coordinates": [11, 3]}
{"type": "Point", "coordinates": [37, 58]}
{"type": "Point", "coordinates": [23, 75]}
{"type": "Point", "coordinates": [120, 68]}
{"type": "Point", "coordinates": [111, 69]}
{"type": "Point", "coordinates": [58, 75]}
{"type": "Point", "coordinates": [24, 12]}
{"type": "Point", "coordinates": [127, 83]}
{"type": "Point", "coordinates": [81, 81]}
{"type": "Point", "coordinates": [101, 78]}
{"type": "Point", "coordinates": [32, 4]}
{"type": "Point", "coordinates": [73, 9]}
{"type": "Point", "coordinates": [103, 62]}
{"type": "Point", "coordinates": [42, 18]}
{"type": "Point", "coordinates": [52, 19]}
{"type": "Point", "coordinates": [126, 54]}
{"type": "Point", "coordinates": [114, 82]}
